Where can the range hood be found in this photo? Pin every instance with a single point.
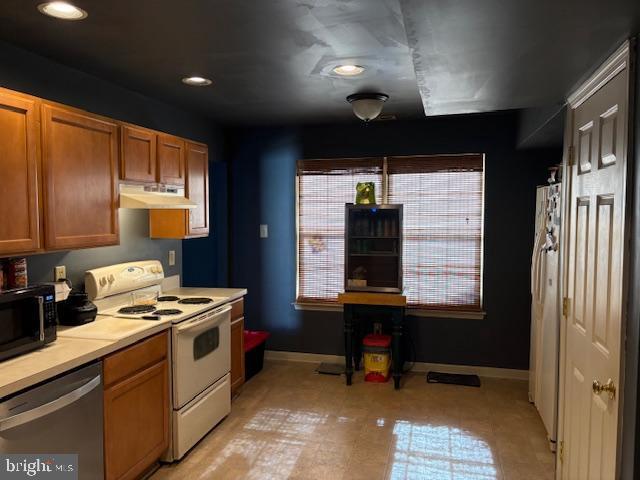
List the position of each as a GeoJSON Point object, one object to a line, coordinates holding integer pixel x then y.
{"type": "Point", "coordinates": [150, 197]}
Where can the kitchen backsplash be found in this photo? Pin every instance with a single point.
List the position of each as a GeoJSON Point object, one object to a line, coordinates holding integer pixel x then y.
{"type": "Point", "coordinates": [135, 244]}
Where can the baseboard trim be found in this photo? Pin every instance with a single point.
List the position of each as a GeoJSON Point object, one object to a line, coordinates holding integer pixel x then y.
{"type": "Point", "coordinates": [490, 372]}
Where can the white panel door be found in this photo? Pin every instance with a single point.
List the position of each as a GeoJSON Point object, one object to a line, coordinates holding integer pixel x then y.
{"type": "Point", "coordinates": [595, 276]}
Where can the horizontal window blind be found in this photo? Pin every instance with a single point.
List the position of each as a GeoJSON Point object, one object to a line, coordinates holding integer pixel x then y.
{"type": "Point", "coordinates": [443, 228]}
{"type": "Point", "coordinates": [324, 186]}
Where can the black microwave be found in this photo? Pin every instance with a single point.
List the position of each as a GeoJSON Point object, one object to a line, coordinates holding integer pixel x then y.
{"type": "Point", "coordinates": [28, 319]}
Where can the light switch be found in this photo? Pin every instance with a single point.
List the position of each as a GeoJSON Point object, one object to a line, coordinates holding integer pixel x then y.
{"type": "Point", "coordinates": [264, 231]}
{"type": "Point", "coordinates": [172, 257]}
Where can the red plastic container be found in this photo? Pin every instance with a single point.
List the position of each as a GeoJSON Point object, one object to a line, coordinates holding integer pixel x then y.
{"type": "Point", "coordinates": [377, 340]}
{"type": "Point", "coordinates": [254, 345]}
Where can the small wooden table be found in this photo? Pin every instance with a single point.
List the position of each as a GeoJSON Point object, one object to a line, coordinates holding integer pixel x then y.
{"type": "Point", "coordinates": [355, 303]}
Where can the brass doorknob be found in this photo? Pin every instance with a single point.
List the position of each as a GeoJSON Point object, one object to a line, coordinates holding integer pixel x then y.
{"type": "Point", "coordinates": [608, 387]}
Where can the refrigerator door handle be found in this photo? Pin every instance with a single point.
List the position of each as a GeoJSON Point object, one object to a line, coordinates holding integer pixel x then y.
{"type": "Point", "coordinates": [537, 252]}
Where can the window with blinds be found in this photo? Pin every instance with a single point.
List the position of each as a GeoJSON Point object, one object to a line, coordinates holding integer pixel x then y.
{"type": "Point", "coordinates": [324, 186]}
{"type": "Point", "coordinates": [443, 225]}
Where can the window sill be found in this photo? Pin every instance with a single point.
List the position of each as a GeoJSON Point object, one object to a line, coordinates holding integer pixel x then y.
{"type": "Point", "coordinates": [413, 312]}
{"type": "Point", "coordinates": [317, 307]}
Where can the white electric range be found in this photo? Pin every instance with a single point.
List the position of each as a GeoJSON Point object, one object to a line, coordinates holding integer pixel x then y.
{"type": "Point", "coordinates": [200, 343]}
{"type": "Point", "coordinates": [172, 307]}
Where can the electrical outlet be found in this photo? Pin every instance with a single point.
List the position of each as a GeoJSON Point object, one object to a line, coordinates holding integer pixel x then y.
{"type": "Point", "coordinates": [172, 257]}
{"type": "Point", "coordinates": [59, 273]}
{"type": "Point", "coordinates": [264, 231]}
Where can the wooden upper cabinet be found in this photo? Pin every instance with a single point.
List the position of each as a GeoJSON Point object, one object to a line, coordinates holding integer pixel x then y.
{"type": "Point", "coordinates": [80, 159]}
{"type": "Point", "coordinates": [19, 184]}
{"type": "Point", "coordinates": [171, 160]}
{"type": "Point", "coordinates": [198, 188]}
{"type": "Point", "coordinates": [138, 160]}
{"type": "Point", "coordinates": [187, 223]}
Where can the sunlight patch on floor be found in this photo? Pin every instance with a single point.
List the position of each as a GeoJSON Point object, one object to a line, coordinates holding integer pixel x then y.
{"type": "Point", "coordinates": [439, 452]}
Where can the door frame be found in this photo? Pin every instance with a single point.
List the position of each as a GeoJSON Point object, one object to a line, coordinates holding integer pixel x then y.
{"type": "Point", "coordinates": [630, 466]}
{"type": "Point", "coordinates": [620, 60]}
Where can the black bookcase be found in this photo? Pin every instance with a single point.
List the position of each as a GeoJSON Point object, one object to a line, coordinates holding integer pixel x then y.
{"type": "Point", "coordinates": [373, 248]}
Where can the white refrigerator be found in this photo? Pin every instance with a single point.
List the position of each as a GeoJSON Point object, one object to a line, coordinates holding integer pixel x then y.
{"type": "Point", "coordinates": [546, 309]}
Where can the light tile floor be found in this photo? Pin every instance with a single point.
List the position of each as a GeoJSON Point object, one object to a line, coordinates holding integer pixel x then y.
{"type": "Point", "coordinates": [291, 423]}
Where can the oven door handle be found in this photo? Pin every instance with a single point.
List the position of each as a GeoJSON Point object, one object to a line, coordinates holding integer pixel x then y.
{"type": "Point", "coordinates": [48, 408]}
{"type": "Point", "coordinates": [199, 321]}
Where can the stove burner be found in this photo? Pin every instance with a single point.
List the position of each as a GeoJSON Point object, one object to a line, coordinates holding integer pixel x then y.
{"type": "Point", "coordinates": [195, 300]}
{"type": "Point", "coordinates": [137, 309]}
{"type": "Point", "coordinates": [168, 298]}
{"type": "Point", "coordinates": [168, 311]}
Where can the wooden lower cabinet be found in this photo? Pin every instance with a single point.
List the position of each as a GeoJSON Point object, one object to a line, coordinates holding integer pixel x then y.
{"type": "Point", "coordinates": [136, 408]}
{"type": "Point", "coordinates": [237, 345]}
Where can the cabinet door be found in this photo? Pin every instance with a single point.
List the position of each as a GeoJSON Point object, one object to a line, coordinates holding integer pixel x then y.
{"type": "Point", "coordinates": [198, 188]}
{"type": "Point", "coordinates": [80, 158]}
{"type": "Point", "coordinates": [19, 138]}
{"type": "Point", "coordinates": [138, 161]}
{"type": "Point", "coordinates": [237, 354]}
{"type": "Point", "coordinates": [171, 160]}
{"type": "Point", "coordinates": [136, 422]}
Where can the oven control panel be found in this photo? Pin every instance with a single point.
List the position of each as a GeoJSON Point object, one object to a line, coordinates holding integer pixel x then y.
{"type": "Point", "coordinates": [123, 277]}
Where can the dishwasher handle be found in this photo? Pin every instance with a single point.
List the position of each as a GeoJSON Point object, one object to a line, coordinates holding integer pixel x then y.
{"type": "Point", "coordinates": [47, 408]}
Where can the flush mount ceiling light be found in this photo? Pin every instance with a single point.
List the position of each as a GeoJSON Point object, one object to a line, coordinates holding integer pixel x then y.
{"type": "Point", "coordinates": [196, 81]}
{"type": "Point", "coordinates": [62, 10]}
{"type": "Point", "coordinates": [348, 70]}
{"type": "Point", "coordinates": [367, 106]}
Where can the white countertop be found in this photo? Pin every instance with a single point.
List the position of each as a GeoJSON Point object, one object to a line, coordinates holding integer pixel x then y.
{"type": "Point", "coordinates": [229, 293]}
{"type": "Point", "coordinates": [114, 329]}
{"type": "Point", "coordinates": [76, 346]}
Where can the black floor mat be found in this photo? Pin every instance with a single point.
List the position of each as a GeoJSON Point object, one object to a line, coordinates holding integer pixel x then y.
{"type": "Point", "coordinates": [330, 368]}
{"type": "Point", "coordinates": [453, 379]}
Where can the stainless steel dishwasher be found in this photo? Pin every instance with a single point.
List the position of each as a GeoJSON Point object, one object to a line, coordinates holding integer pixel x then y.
{"type": "Point", "coordinates": [63, 415]}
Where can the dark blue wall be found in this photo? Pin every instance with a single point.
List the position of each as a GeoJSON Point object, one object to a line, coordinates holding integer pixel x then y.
{"type": "Point", "coordinates": [205, 260]}
{"type": "Point", "coordinates": [263, 192]}
{"type": "Point", "coordinates": [262, 183]}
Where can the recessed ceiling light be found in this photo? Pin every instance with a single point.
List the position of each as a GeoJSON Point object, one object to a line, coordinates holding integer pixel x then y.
{"type": "Point", "coordinates": [348, 70]}
{"type": "Point", "coordinates": [62, 10]}
{"type": "Point", "coordinates": [196, 81]}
